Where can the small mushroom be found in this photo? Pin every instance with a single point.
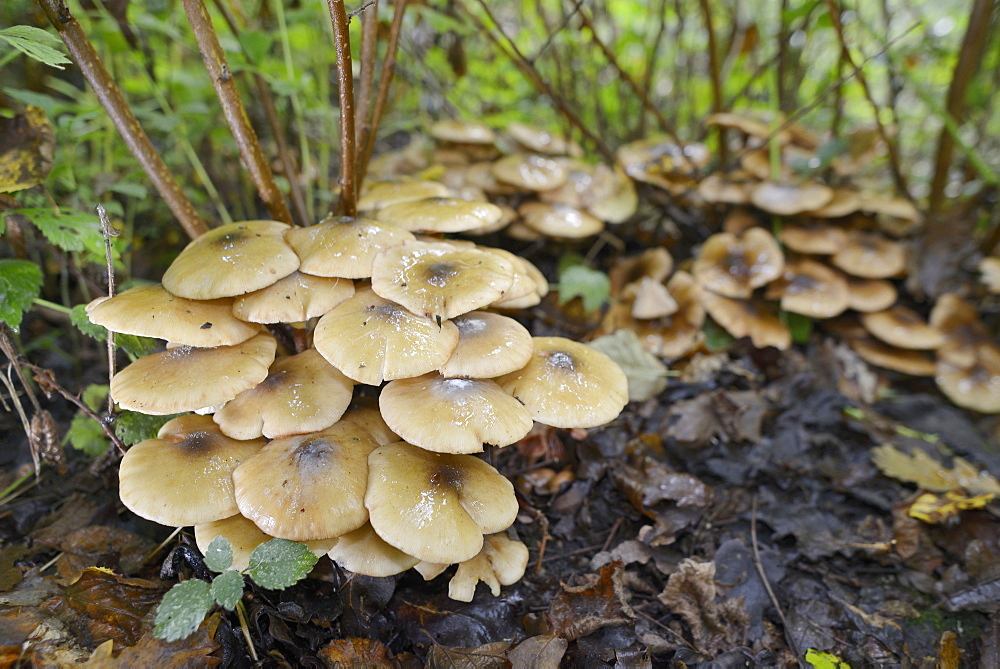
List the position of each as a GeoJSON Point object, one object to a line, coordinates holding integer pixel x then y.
{"type": "Point", "coordinates": [745, 318]}
{"type": "Point", "coordinates": [559, 220]}
{"type": "Point", "coordinates": [874, 352]}
{"type": "Point", "coordinates": [502, 561]}
{"type": "Point", "coordinates": [789, 199]}
{"type": "Point", "coordinates": [489, 345]}
{"type": "Point", "coordinates": [870, 294]}
{"type": "Point", "coordinates": [870, 256]}
{"type": "Point", "coordinates": [298, 297]}
{"type": "Point", "coordinates": [975, 387]}
{"type": "Point", "coordinates": [654, 263]}
{"type": "Point", "coordinates": [963, 332]}
{"type": "Point", "coordinates": [463, 132]}
{"type": "Point", "coordinates": [816, 240]}
{"type": "Point", "coordinates": [811, 288]}
{"type": "Point", "coordinates": [734, 266]}
{"type": "Point", "coordinates": [388, 193]}
{"type": "Point", "coordinates": [902, 327]}
{"type": "Point", "coordinates": [538, 140]}
{"type": "Point", "coordinates": [440, 214]}
{"type": "Point", "coordinates": [344, 246]}
{"type": "Point", "coordinates": [529, 172]}
{"type": "Point", "coordinates": [364, 552]}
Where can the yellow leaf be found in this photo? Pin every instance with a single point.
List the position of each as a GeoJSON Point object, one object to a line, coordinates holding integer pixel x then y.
{"type": "Point", "coordinates": [933, 509]}
{"type": "Point", "coordinates": [928, 473]}
{"type": "Point", "coordinates": [820, 660]}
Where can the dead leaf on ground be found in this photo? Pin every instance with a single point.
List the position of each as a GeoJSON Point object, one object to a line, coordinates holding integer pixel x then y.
{"type": "Point", "coordinates": [735, 416]}
{"type": "Point", "coordinates": [647, 376]}
{"type": "Point", "coordinates": [27, 147]}
{"type": "Point", "coordinates": [192, 652]}
{"type": "Point", "coordinates": [102, 545]}
{"type": "Point", "coordinates": [934, 509]}
{"type": "Point", "coordinates": [538, 652]}
{"type": "Point", "coordinates": [599, 602]}
{"type": "Point", "coordinates": [488, 656]}
{"type": "Point", "coordinates": [928, 473]}
{"type": "Point", "coordinates": [691, 593]}
{"type": "Point", "coordinates": [75, 513]}
{"type": "Point", "coordinates": [354, 652]}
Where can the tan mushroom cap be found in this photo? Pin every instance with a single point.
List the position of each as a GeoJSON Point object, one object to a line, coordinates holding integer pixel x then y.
{"type": "Point", "coordinates": [489, 345]}
{"type": "Point", "coordinates": [302, 393]}
{"type": "Point", "coordinates": [844, 203]}
{"type": "Point", "coordinates": [186, 378]}
{"type": "Point", "coordinates": [902, 327]}
{"type": "Point", "coordinates": [579, 187]}
{"type": "Point", "coordinates": [463, 132]}
{"type": "Point", "coordinates": [673, 336]}
{"type": "Point", "coordinates": [538, 140]}
{"type": "Point", "coordinates": [387, 193]}
{"type": "Point", "coordinates": [437, 280]}
{"type": "Point", "coordinates": [308, 487]}
{"type": "Point", "coordinates": [364, 412]}
{"type": "Point", "coordinates": [870, 256]}
{"type": "Point", "coordinates": [734, 266]}
{"type": "Point", "coordinates": [530, 172]}
{"type": "Point", "coordinates": [894, 207]}
{"type": "Point", "coordinates": [183, 476]}
{"type": "Point", "coordinates": [364, 552]}
{"type": "Point", "coordinates": [344, 246]}
{"type": "Point", "coordinates": [718, 189]}
{"type": "Point", "coordinates": [746, 318]}
{"type": "Point", "coordinates": [789, 199]}
{"type": "Point", "coordinates": [662, 154]}
{"type": "Point", "coordinates": [436, 507]}
{"type": "Point", "coordinates": [650, 299]}
{"type": "Point", "coordinates": [244, 536]}
{"type": "Point", "coordinates": [870, 294]}
{"type": "Point", "coordinates": [298, 297]}
{"type": "Point", "coordinates": [874, 352]}
{"type": "Point", "coordinates": [752, 123]}
{"type": "Point", "coordinates": [371, 339]}
{"type": "Point", "coordinates": [440, 214]}
{"type": "Point", "coordinates": [150, 311]}
{"type": "Point", "coordinates": [502, 561]}
{"type": "Point", "coordinates": [559, 220]}
{"type": "Point", "coordinates": [811, 288]}
{"type": "Point", "coordinates": [816, 240]}
{"type": "Point", "coordinates": [655, 263]}
{"type": "Point", "coordinates": [453, 415]}
{"type": "Point", "coordinates": [568, 384]}
{"type": "Point", "coordinates": [963, 332]}
{"type": "Point", "coordinates": [231, 260]}
{"type": "Point", "coordinates": [976, 387]}
{"type": "Point", "coordinates": [613, 198]}
{"type": "Point", "coordinates": [989, 271]}
{"type": "Point", "coordinates": [526, 277]}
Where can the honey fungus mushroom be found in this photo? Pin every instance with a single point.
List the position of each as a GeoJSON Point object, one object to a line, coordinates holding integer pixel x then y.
{"type": "Point", "coordinates": [734, 266]}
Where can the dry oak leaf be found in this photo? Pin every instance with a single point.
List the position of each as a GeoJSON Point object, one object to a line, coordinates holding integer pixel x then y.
{"type": "Point", "coordinates": [691, 593]}
{"type": "Point", "coordinates": [583, 609]}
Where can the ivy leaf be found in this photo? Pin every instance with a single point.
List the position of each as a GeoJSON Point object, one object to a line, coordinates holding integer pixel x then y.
{"type": "Point", "coordinates": [219, 555]}
{"type": "Point", "coordinates": [591, 285]}
{"type": "Point", "coordinates": [279, 563]}
{"type": "Point", "coordinates": [86, 435]}
{"type": "Point", "coordinates": [34, 43]}
{"type": "Point", "coordinates": [132, 427]}
{"type": "Point", "coordinates": [182, 610]}
{"type": "Point", "coordinates": [134, 345]}
{"type": "Point", "coordinates": [20, 284]}
{"type": "Point", "coordinates": [227, 589]}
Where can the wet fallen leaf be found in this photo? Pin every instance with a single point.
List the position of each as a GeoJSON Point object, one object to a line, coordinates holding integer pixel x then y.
{"type": "Point", "coordinates": [27, 146]}
{"type": "Point", "coordinates": [736, 416]}
{"type": "Point", "coordinates": [599, 602]}
{"type": "Point", "coordinates": [691, 593]}
{"type": "Point", "coordinates": [354, 652]}
{"type": "Point", "coordinates": [487, 656]}
{"type": "Point", "coordinates": [928, 473]}
{"type": "Point", "coordinates": [104, 546]}
{"type": "Point", "coordinates": [934, 509]}
{"type": "Point", "coordinates": [192, 652]}
{"type": "Point", "coordinates": [538, 652]}
{"type": "Point", "coordinates": [647, 376]}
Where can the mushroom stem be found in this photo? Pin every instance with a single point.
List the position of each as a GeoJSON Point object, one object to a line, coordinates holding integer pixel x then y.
{"type": "Point", "coordinates": [345, 83]}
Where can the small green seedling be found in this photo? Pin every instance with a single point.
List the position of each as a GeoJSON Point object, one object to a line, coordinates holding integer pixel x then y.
{"type": "Point", "coordinates": [274, 565]}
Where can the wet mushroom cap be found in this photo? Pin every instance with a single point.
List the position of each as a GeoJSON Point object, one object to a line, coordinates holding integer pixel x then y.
{"type": "Point", "coordinates": [231, 260]}
{"type": "Point", "coordinates": [530, 172]}
{"type": "Point", "coordinates": [184, 476]}
{"type": "Point", "coordinates": [302, 393]}
{"type": "Point", "coordinates": [344, 246]}
{"type": "Point", "coordinates": [298, 297]}
{"type": "Point", "coordinates": [568, 384]}
{"type": "Point", "coordinates": [870, 256]}
{"type": "Point", "coordinates": [243, 537]}
{"type": "Point", "coordinates": [874, 352]}
{"type": "Point", "coordinates": [870, 294]}
{"type": "Point", "coordinates": [307, 487]}
{"type": "Point", "coordinates": [364, 552]}
{"type": "Point", "coordinates": [440, 214]}
{"type": "Point", "coordinates": [387, 193]}
{"type": "Point", "coordinates": [436, 507]}
{"type": "Point", "coordinates": [542, 141]}
{"type": "Point", "coordinates": [453, 415]}
{"type": "Point", "coordinates": [438, 280]}
{"type": "Point", "coordinates": [745, 318]}
{"type": "Point", "coordinates": [812, 289]}
{"type": "Point", "coordinates": [366, 415]}
{"type": "Point", "coordinates": [734, 266]}
{"type": "Point", "coordinates": [789, 199]}
{"type": "Point", "coordinates": [976, 387]}
{"type": "Point", "coordinates": [150, 311]}
{"type": "Point", "coordinates": [186, 378]}
{"type": "Point", "coordinates": [489, 345]}
{"type": "Point", "coordinates": [902, 327]}
{"type": "Point", "coordinates": [371, 339]}
{"type": "Point", "coordinates": [463, 132]}
{"type": "Point", "coordinates": [654, 263]}
{"type": "Point", "coordinates": [559, 220]}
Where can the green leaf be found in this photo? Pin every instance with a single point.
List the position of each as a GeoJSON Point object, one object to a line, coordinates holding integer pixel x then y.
{"type": "Point", "coordinates": [256, 44]}
{"type": "Point", "coordinates": [94, 395]}
{"type": "Point", "coordinates": [227, 589]}
{"type": "Point", "coordinates": [646, 374]}
{"type": "Point", "coordinates": [800, 326]}
{"type": "Point", "coordinates": [34, 43]}
{"type": "Point", "coordinates": [591, 285]}
{"type": "Point", "coordinates": [219, 555]}
{"type": "Point", "coordinates": [20, 284]}
{"type": "Point", "coordinates": [70, 231]}
{"type": "Point", "coordinates": [86, 435]}
{"type": "Point", "coordinates": [280, 563]}
{"type": "Point", "coordinates": [134, 345]}
{"type": "Point", "coordinates": [132, 427]}
{"type": "Point", "coordinates": [182, 610]}
{"type": "Point", "coordinates": [820, 660]}
{"type": "Point", "coordinates": [716, 338]}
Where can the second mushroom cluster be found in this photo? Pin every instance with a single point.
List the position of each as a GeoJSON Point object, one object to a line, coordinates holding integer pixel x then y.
{"type": "Point", "coordinates": [269, 331]}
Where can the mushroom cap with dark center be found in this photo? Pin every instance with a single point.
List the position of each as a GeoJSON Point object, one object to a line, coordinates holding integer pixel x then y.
{"type": "Point", "coordinates": [440, 281]}
{"type": "Point", "coordinates": [344, 246]}
{"type": "Point", "coordinates": [568, 384]}
{"type": "Point", "coordinates": [150, 311]}
{"type": "Point", "coordinates": [187, 378]}
{"type": "Point", "coordinates": [298, 297]}
{"type": "Point", "coordinates": [436, 507]}
{"type": "Point", "coordinates": [745, 318]}
{"type": "Point", "coordinates": [870, 256]}
{"type": "Point", "coordinates": [231, 260]}
{"type": "Point", "coordinates": [734, 266]}
{"type": "Point", "coordinates": [184, 476]}
{"type": "Point", "coordinates": [655, 263]}
{"type": "Point", "coordinates": [902, 327]}
{"type": "Point", "coordinates": [371, 339]}
{"type": "Point", "coordinates": [812, 289]}
{"type": "Point", "coordinates": [489, 345]}
{"type": "Point", "coordinates": [975, 387]}
{"type": "Point", "coordinates": [310, 486]}
{"type": "Point", "coordinates": [453, 415]}
{"type": "Point", "coordinates": [302, 393]}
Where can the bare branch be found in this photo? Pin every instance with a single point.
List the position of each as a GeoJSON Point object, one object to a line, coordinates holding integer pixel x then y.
{"type": "Point", "coordinates": [345, 82]}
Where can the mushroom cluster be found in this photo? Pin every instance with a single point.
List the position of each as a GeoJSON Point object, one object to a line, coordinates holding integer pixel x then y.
{"type": "Point", "coordinates": [269, 332]}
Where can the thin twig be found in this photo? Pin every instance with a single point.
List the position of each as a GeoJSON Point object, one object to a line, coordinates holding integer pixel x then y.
{"type": "Point", "coordinates": [382, 94]}
{"type": "Point", "coordinates": [233, 110]}
{"type": "Point", "coordinates": [45, 376]}
{"type": "Point", "coordinates": [845, 52]}
{"type": "Point", "coordinates": [108, 232]}
{"type": "Point", "coordinates": [366, 82]}
{"type": "Point", "coordinates": [713, 65]}
{"type": "Point", "coordinates": [25, 423]}
{"type": "Point", "coordinates": [114, 104]}
{"type": "Point", "coordinates": [345, 83]}
{"type": "Point", "coordinates": [767, 584]}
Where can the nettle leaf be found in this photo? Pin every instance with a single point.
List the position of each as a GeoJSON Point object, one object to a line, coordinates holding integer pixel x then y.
{"type": "Point", "coordinates": [132, 427]}
{"type": "Point", "coordinates": [182, 610]}
{"type": "Point", "coordinates": [279, 563]}
{"type": "Point", "coordinates": [20, 284]}
{"type": "Point", "coordinates": [134, 345]}
{"type": "Point", "coordinates": [35, 43]}
{"type": "Point", "coordinates": [86, 435]}
{"type": "Point", "coordinates": [70, 231]}
{"type": "Point", "coordinates": [589, 284]}
{"type": "Point", "coordinates": [219, 555]}
{"type": "Point", "coordinates": [227, 589]}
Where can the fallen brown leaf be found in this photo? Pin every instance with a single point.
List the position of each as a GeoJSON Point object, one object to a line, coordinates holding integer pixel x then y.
{"type": "Point", "coordinates": [599, 602]}
{"type": "Point", "coordinates": [691, 593]}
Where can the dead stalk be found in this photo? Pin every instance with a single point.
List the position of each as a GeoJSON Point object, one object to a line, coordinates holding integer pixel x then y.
{"type": "Point", "coordinates": [369, 51]}
{"type": "Point", "coordinates": [114, 104]}
{"type": "Point", "coordinates": [713, 66]}
{"type": "Point", "coordinates": [345, 83]}
{"type": "Point", "coordinates": [108, 232]}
